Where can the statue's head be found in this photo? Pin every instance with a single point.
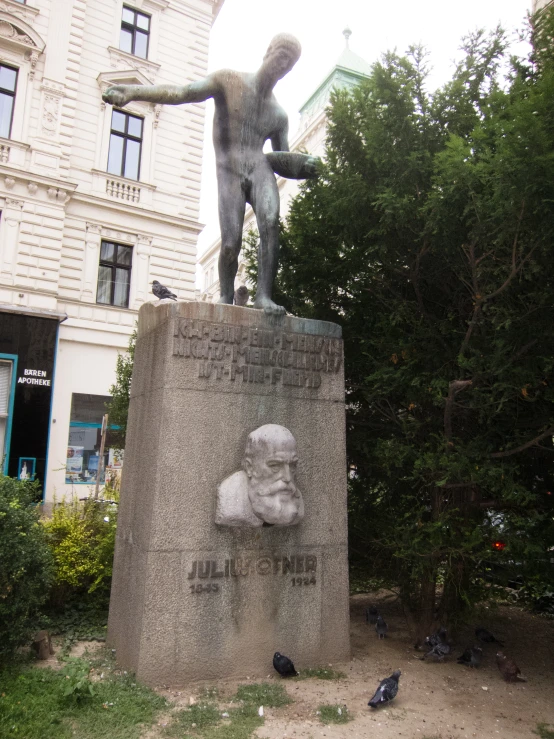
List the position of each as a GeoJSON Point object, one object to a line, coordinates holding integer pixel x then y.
{"type": "Point", "coordinates": [282, 54]}
{"type": "Point", "coordinates": [270, 461]}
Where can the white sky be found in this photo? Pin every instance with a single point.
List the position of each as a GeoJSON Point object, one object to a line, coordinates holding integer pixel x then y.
{"type": "Point", "coordinates": [242, 32]}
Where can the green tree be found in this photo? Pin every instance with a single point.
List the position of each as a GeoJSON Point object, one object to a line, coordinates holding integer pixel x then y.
{"type": "Point", "coordinates": [118, 407]}
{"type": "Point", "coordinates": [429, 238]}
{"type": "Point", "coordinates": [26, 566]}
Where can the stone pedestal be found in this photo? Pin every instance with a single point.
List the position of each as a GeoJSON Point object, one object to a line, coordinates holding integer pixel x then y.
{"type": "Point", "coordinates": [195, 600]}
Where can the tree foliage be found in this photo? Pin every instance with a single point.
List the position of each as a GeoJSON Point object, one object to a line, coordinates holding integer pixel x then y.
{"type": "Point", "coordinates": [81, 536]}
{"type": "Point", "coordinates": [25, 564]}
{"type": "Point", "coordinates": [118, 407]}
{"type": "Point", "coordinates": [429, 238]}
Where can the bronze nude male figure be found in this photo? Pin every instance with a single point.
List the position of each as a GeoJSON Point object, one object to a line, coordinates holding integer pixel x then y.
{"type": "Point", "coordinates": [246, 115]}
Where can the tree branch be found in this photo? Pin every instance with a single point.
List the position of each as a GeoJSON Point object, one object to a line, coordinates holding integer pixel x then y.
{"type": "Point", "coordinates": [523, 447]}
{"type": "Point", "coordinates": [470, 252]}
{"type": "Point", "coordinates": [455, 387]}
{"type": "Point", "coordinates": [515, 267]}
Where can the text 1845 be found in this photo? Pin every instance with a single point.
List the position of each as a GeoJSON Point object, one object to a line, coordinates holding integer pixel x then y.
{"type": "Point", "coordinates": [209, 588]}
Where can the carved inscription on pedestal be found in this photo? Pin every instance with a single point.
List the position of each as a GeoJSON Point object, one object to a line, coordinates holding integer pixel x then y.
{"type": "Point", "coordinates": [228, 352]}
{"type": "Point", "coordinates": [298, 571]}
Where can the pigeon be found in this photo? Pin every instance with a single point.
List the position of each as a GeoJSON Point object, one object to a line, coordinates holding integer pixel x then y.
{"type": "Point", "coordinates": [381, 627]}
{"type": "Point", "coordinates": [486, 636]}
{"type": "Point", "coordinates": [439, 651]}
{"type": "Point", "coordinates": [387, 690]}
{"type": "Point", "coordinates": [439, 637]}
{"type": "Point", "coordinates": [510, 671]}
{"type": "Point", "coordinates": [371, 615]}
{"type": "Point", "coordinates": [471, 657]}
{"type": "Point", "coordinates": [161, 291]}
{"type": "Point", "coordinates": [284, 665]}
{"type": "Point", "coordinates": [241, 296]}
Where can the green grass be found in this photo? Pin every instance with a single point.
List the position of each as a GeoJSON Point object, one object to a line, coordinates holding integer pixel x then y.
{"type": "Point", "coordinates": [333, 713]}
{"type": "Point", "coordinates": [320, 673]}
{"type": "Point", "coordinates": [209, 694]}
{"type": "Point", "coordinates": [194, 718]}
{"type": "Point", "coordinates": [32, 705]}
{"type": "Point", "coordinates": [544, 731]}
{"type": "Point", "coordinates": [272, 695]}
{"type": "Point", "coordinates": [205, 719]}
{"type": "Point", "coordinates": [240, 727]}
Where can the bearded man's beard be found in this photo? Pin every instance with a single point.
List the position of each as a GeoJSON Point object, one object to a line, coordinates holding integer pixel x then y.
{"type": "Point", "coordinates": [275, 504]}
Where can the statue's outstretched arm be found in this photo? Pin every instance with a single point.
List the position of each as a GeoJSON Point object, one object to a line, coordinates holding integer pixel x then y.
{"type": "Point", "coordinates": [293, 165]}
{"type": "Point", "coordinates": [195, 92]}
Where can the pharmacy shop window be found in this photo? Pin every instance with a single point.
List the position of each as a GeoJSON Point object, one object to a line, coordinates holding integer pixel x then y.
{"type": "Point", "coordinates": [85, 438]}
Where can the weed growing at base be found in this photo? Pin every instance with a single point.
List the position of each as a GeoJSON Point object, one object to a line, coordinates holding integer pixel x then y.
{"type": "Point", "coordinates": [320, 673]}
{"type": "Point", "coordinates": [194, 718]}
{"type": "Point", "coordinates": [272, 695]}
{"type": "Point", "coordinates": [544, 731]}
{"type": "Point", "coordinates": [333, 713]}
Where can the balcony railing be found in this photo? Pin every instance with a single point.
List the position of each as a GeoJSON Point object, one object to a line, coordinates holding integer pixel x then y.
{"type": "Point", "coordinates": [123, 190]}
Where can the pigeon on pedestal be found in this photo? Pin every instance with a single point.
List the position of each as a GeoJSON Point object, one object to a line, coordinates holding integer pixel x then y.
{"type": "Point", "coordinates": [161, 291]}
{"type": "Point", "coordinates": [241, 296]}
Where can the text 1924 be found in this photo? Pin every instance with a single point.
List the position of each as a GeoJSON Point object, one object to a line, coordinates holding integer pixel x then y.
{"type": "Point", "coordinates": [296, 581]}
{"type": "Point", "coordinates": [209, 588]}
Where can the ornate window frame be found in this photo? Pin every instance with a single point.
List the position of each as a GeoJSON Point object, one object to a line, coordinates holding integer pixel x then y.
{"type": "Point", "coordinates": [147, 111]}
{"type": "Point", "coordinates": [132, 192]}
{"type": "Point", "coordinates": [20, 46]}
{"type": "Point", "coordinates": [140, 266]}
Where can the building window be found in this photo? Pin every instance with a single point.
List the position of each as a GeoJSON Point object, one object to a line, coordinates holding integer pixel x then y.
{"type": "Point", "coordinates": [85, 437]}
{"type": "Point", "coordinates": [114, 274]}
{"type": "Point", "coordinates": [125, 145]}
{"type": "Point", "coordinates": [135, 30]}
{"type": "Point", "coordinates": [8, 82]}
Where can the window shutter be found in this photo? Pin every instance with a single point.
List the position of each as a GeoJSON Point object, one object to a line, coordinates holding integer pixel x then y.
{"type": "Point", "coordinates": [5, 378]}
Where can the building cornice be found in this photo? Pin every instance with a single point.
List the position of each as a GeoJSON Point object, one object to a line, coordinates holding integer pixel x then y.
{"type": "Point", "coordinates": [123, 62]}
{"type": "Point", "coordinates": [37, 312]}
{"type": "Point", "coordinates": [138, 212]}
{"type": "Point", "coordinates": [216, 7]}
{"type": "Point", "coordinates": [55, 187]}
{"type": "Point", "coordinates": [22, 11]}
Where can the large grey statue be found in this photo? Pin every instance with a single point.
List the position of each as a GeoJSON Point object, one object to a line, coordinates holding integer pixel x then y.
{"type": "Point", "coordinates": [246, 115]}
{"type": "Point", "coordinates": [264, 491]}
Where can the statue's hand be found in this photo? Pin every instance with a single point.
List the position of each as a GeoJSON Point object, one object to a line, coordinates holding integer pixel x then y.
{"type": "Point", "coordinates": [118, 95]}
{"type": "Point", "coordinates": [311, 167]}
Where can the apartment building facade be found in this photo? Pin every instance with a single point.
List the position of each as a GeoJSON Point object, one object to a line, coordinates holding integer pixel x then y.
{"type": "Point", "coordinates": [95, 203]}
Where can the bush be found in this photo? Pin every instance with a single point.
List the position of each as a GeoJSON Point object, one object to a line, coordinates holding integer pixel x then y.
{"type": "Point", "coordinates": [81, 536]}
{"type": "Point", "coordinates": [25, 563]}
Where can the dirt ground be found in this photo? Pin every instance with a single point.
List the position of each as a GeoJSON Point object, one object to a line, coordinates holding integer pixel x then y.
{"type": "Point", "coordinates": [435, 700]}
